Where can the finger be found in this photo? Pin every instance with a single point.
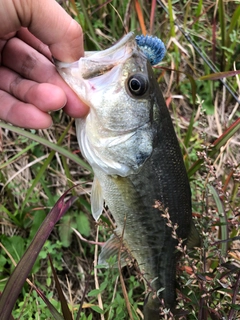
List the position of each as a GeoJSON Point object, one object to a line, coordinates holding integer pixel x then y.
{"type": "Point", "coordinates": [3, 41]}
{"type": "Point", "coordinates": [46, 97]}
{"type": "Point", "coordinates": [26, 61]}
{"type": "Point", "coordinates": [22, 114]}
{"type": "Point", "coordinates": [48, 21]}
{"type": "Point", "coordinates": [30, 64]}
{"type": "Point", "coordinates": [26, 36]}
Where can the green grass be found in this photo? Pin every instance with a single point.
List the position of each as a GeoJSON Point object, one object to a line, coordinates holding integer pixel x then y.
{"type": "Point", "coordinates": [34, 173]}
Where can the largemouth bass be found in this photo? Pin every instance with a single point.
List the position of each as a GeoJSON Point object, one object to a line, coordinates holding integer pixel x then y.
{"type": "Point", "coordinates": [129, 140]}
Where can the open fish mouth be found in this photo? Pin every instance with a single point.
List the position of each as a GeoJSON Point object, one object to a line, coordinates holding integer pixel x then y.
{"type": "Point", "coordinates": [151, 47]}
{"type": "Point", "coordinates": [96, 63]}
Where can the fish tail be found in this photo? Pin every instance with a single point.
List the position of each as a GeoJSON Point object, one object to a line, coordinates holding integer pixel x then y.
{"type": "Point", "coordinates": [152, 307]}
{"type": "Point", "coordinates": [156, 300]}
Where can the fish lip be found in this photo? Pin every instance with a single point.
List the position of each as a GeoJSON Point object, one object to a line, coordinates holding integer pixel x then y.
{"type": "Point", "coordinates": [97, 63]}
{"type": "Point", "coordinates": [126, 40]}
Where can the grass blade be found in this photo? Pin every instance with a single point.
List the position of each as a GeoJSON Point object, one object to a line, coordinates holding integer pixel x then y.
{"type": "Point", "coordinates": [222, 218]}
{"type": "Point", "coordinates": [219, 75]}
{"type": "Point", "coordinates": [190, 78]}
{"type": "Point", "coordinates": [65, 310]}
{"type": "Point", "coordinates": [221, 14]}
{"type": "Point", "coordinates": [89, 24]}
{"type": "Point", "coordinates": [140, 17]}
{"type": "Point", "coordinates": [152, 15]}
{"type": "Point", "coordinates": [188, 136]}
{"type": "Point", "coordinates": [23, 268]}
{"type": "Point", "coordinates": [221, 141]}
{"type": "Point", "coordinates": [48, 144]}
{"type": "Point", "coordinates": [43, 168]}
{"type": "Point", "coordinates": [234, 20]}
{"type": "Point", "coordinates": [56, 315]}
{"type": "Point", "coordinates": [19, 154]}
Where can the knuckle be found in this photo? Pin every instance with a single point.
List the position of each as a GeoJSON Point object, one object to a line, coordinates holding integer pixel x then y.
{"type": "Point", "coordinates": [28, 65]}
{"type": "Point", "coordinates": [14, 85]}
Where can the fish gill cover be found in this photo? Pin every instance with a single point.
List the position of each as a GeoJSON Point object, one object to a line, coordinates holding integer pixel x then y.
{"type": "Point", "coordinates": [153, 48]}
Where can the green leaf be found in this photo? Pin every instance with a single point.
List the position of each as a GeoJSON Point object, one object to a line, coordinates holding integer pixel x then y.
{"type": "Point", "coordinates": [38, 218]}
{"type": "Point", "coordinates": [65, 230]}
{"type": "Point", "coordinates": [189, 132]}
{"type": "Point", "coordinates": [103, 285]}
{"type": "Point", "coordinates": [94, 292]}
{"type": "Point", "coordinates": [15, 246]}
{"type": "Point", "coordinates": [222, 218]}
{"type": "Point", "coordinates": [83, 225]}
{"type": "Point", "coordinates": [97, 309]}
{"type": "Point", "coordinates": [10, 215]}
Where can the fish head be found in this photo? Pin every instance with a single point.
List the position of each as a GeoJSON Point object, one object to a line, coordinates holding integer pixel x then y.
{"type": "Point", "coordinates": [117, 84]}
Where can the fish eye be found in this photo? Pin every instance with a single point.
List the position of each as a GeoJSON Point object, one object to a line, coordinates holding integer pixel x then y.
{"type": "Point", "coordinates": [137, 84]}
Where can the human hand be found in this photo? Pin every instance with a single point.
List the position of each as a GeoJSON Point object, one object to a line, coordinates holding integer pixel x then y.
{"type": "Point", "coordinates": [31, 32]}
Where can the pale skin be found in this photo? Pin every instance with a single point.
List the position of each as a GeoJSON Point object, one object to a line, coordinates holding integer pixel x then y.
{"type": "Point", "coordinates": [31, 33]}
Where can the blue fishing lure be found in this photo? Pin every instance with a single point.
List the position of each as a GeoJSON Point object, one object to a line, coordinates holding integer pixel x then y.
{"type": "Point", "coordinates": [153, 48]}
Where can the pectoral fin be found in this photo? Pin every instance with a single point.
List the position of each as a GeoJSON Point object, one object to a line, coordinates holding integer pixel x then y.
{"type": "Point", "coordinates": [111, 249]}
{"type": "Point", "coordinates": [96, 199]}
{"type": "Point", "coordinates": [194, 239]}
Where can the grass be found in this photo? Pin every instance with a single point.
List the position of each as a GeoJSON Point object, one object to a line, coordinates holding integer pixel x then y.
{"type": "Point", "coordinates": [35, 173]}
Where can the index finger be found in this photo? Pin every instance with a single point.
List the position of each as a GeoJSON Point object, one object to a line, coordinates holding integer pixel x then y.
{"type": "Point", "coordinates": [48, 21]}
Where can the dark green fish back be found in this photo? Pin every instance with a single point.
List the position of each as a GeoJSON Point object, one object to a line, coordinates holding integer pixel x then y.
{"type": "Point", "coordinates": [163, 178]}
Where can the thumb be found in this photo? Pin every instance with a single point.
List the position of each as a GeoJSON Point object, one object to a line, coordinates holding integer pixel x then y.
{"type": "Point", "coordinates": [46, 20]}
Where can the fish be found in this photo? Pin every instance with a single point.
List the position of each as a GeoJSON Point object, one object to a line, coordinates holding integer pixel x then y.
{"type": "Point", "coordinates": [129, 140]}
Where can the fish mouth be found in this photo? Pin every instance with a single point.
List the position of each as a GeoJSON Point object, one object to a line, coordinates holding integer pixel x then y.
{"type": "Point", "coordinates": [130, 37]}
{"type": "Point", "coordinates": [96, 63]}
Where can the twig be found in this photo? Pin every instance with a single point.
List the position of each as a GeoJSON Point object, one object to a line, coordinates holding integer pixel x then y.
{"type": "Point", "coordinates": [100, 303]}
{"type": "Point", "coordinates": [232, 311]}
{"type": "Point", "coordinates": [113, 297]}
{"type": "Point", "coordinates": [86, 240]}
{"type": "Point", "coordinates": [124, 290]}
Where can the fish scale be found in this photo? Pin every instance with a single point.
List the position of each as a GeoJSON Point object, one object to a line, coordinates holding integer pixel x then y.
{"type": "Point", "coordinates": [129, 140]}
